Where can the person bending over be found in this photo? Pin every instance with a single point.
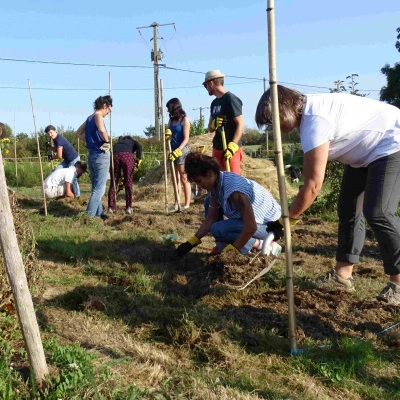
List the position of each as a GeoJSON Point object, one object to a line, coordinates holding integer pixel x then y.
{"type": "Point", "coordinates": [247, 205]}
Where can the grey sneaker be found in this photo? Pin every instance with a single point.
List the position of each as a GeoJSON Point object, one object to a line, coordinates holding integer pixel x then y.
{"type": "Point", "coordinates": [129, 210]}
{"type": "Point", "coordinates": [390, 294]}
{"type": "Point", "coordinates": [331, 280]}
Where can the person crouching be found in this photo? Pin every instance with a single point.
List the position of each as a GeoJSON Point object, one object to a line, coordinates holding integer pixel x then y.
{"type": "Point", "coordinates": [247, 206]}
{"type": "Point", "coordinates": [61, 181]}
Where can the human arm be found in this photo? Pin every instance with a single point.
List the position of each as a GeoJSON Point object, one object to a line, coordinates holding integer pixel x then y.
{"type": "Point", "coordinates": [210, 128]}
{"type": "Point", "coordinates": [314, 168]}
{"type": "Point", "coordinates": [68, 190]}
{"type": "Point", "coordinates": [186, 132]}
{"type": "Point", "coordinates": [99, 120]}
{"type": "Point", "coordinates": [59, 151]}
{"type": "Point", "coordinates": [239, 121]}
{"type": "Point", "coordinates": [243, 205]}
{"type": "Point", "coordinates": [81, 132]}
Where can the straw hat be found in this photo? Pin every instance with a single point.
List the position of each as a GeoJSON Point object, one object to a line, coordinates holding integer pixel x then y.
{"type": "Point", "coordinates": [213, 74]}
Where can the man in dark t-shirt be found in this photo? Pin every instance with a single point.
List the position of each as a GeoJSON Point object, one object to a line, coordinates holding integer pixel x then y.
{"type": "Point", "coordinates": [226, 110]}
{"type": "Point", "coordinates": [64, 150]}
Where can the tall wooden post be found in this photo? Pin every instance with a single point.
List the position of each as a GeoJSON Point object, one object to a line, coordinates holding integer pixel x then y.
{"type": "Point", "coordinates": [38, 148]}
{"type": "Point", "coordinates": [15, 153]}
{"type": "Point", "coordinates": [281, 172]}
{"type": "Point", "coordinates": [19, 284]}
{"type": "Point", "coordinates": [111, 145]}
{"type": "Point", "coordinates": [164, 146]}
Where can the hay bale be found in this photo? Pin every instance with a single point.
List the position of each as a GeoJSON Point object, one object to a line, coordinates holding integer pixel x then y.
{"type": "Point", "coordinates": [151, 185]}
{"type": "Point", "coordinates": [27, 246]}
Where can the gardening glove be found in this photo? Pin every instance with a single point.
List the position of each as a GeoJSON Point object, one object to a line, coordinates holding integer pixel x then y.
{"type": "Point", "coordinates": [277, 227]}
{"type": "Point", "coordinates": [184, 248]}
{"type": "Point", "coordinates": [168, 134]}
{"type": "Point", "coordinates": [230, 150]}
{"type": "Point", "coordinates": [50, 157]}
{"type": "Point", "coordinates": [231, 248]}
{"type": "Point", "coordinates": [138, 162]}
{"type": "Point", "coordinates": [48, 144]}
{"type": "Point", "coordinates": [175, 154]}
{"type": "Point", "coordinates": [120, 184]}
{"type": "Point", "coordinates": [105, 147]}
{"type": "Point", "coordinates": [218, 121]}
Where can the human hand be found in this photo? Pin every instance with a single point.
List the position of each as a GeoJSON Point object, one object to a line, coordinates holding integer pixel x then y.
{"type": "Point", "coordinates": [230, 150]}
{"type": "Point", "coordinates": [184, 248]}
{"type": "Point", "coordinates": [218, 121]}
{"type": "Point", "coordinates": [175, 154]}
{"type": "Point", "coordinates": [105, 147]}
{"type": "Point", "coordinates": [138, 162]}
{"type": "Point", "coordinates": [231, 248]}
{"type": "Point", "coordinates": [168, 134]}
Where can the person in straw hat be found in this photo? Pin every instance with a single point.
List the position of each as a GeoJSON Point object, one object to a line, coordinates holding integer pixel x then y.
{"type": "Point", "coordinates": [226, 111]}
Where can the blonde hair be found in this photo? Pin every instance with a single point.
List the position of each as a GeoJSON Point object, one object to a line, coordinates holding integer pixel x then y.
{"type": "Point", "coordinates": [290, 103]}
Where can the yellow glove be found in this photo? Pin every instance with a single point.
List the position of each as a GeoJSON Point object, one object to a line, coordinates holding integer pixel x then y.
{"type": "Point", "coordinates": [184, 248]}
{"type": "Point", "coordinates": [175, 154]}
{"type": "Point", "coordinates": [218, 121]}
{"type": "Point", "coordinates": [230, 150]}
{"type": "Point", "coordinates": [292, 221]}
{"type": "Point", "coordinates": [168, 135]}
{"type": "Point", "coordinates": [231, 248]}
{"type": "Point", "coordinates": [138, 162]}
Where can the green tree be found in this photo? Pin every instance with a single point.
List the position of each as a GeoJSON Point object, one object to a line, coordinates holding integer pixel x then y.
{"type": "Point", "coordinates": [197, 127]}
{"type": "Point", "coordinates": [252, 136]}
{"type": "Point", "coordinates": [22, 136]}
{"type": "Point", "coordinates": [150, 131]}
{"type": "Point", "coordinates": [391, 92]}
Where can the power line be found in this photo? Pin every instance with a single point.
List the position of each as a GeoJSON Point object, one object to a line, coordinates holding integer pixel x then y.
{"type": "Point", "coordinates": [160, 66]}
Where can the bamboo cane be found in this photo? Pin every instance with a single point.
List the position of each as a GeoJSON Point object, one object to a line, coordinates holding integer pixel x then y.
{"type": "Point", "coordinates": [281, 172]}
{"type": "Point", "coordinates": [38, 147]}
{"type": "Point", "coordinates": [15, 151]}
{"type": "Point", "coordinates": [16, 274]}
{"type": "Point", "coordinates": [164, 146]}
{"type": "Point", "coordinates": [111, 144]}
{"type": "Point", "coordinates": [227, 164]}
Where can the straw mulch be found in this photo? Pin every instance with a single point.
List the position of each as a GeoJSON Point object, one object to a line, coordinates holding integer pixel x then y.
{"type": "Point", "coordinates": [27, 246]}
{"type": "Point", "coordinates": [151, 186]}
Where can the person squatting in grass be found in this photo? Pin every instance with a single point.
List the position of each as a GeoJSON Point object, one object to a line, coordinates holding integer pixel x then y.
{"type": "Point", "coordinates": [247, 205]}
{"type": "Point", "coordinates": [226, 111]}
{"type": "Point", "coordinates": [124, 163]}
{"type": "Point", "coordinates": [63, 149]}
{"type": "Point", "coordinates": [178, 132]}
{"type": "Point", "coordinates": [94, 133]}
{"type": "Point", "coordinates": [60, 183]}
{"type": "Point", "coordinates": [364, 134]}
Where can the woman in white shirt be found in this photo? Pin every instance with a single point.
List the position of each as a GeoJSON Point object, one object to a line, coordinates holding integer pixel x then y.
{"type": "Point", "coordinates": [364, 134]}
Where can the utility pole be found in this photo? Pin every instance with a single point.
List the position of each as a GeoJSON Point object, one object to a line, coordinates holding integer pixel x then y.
{"type": "Point", "coordinates": [156, 56]}
{"type": "Point", "coordinates": [201, 109]}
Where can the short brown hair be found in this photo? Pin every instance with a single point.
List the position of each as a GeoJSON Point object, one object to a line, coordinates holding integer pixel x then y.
{"type": "Point", "coordinates": [219, 81]}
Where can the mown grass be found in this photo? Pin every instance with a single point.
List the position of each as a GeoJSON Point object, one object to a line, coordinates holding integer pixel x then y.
{"type": "Point", "coordinates": [132, 320]}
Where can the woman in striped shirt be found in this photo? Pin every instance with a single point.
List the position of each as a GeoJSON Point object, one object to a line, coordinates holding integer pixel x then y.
{"type": "Point", "coordinates": [247, 205]}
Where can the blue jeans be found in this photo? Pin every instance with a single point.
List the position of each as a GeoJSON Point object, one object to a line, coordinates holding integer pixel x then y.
{"type": "Point", "coordinates": [75, 185]}
{"type": "Point", "coordinates": [227, 231]}
{"type": "Point", "coordinates": [99, 167]}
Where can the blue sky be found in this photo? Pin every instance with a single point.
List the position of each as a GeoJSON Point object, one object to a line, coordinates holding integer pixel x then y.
{"type": "Point", "coordinates": [318, 42]}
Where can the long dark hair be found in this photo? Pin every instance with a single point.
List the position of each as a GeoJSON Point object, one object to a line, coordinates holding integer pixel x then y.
{"type": "Point", "coordinates": [198, 164]}
{"type": "Point", "coordinates": [100, 101]}
{"type": "Point", "coordinates": [290, 106]}
{"type": "Point", "coordinates": [175, 110]}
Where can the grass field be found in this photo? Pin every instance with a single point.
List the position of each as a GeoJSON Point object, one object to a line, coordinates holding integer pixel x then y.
{"type": "Point", "coordinates": [121, 318]}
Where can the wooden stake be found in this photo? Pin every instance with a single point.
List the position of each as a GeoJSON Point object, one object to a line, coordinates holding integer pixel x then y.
{"type": "Point", "coordinates": [38, 148]}
{"type": "Point", "coordinates": [15, 155]}
{"type": "Point", "coordinates": [281, 172]}
{"type": "Point", "coordinates": [164, 146]}
{"type": "Point", "coordinates": [111, 145]}
{"type": "Point", "coordinates": [19, 284]}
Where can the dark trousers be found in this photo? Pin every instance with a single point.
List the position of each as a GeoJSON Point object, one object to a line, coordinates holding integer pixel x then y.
{"type": "Point", "coordinates": [123, 163]}
{"type": "Point", "coordinates": [372, 192]}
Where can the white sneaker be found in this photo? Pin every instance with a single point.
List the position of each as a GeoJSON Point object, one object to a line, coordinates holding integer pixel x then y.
{"type": "Point", "coordinates": [110, 211]}
{"type": "Point", "coordinates": [185, 207]}
{"type": "Point", "coordinates": [129, 210]}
